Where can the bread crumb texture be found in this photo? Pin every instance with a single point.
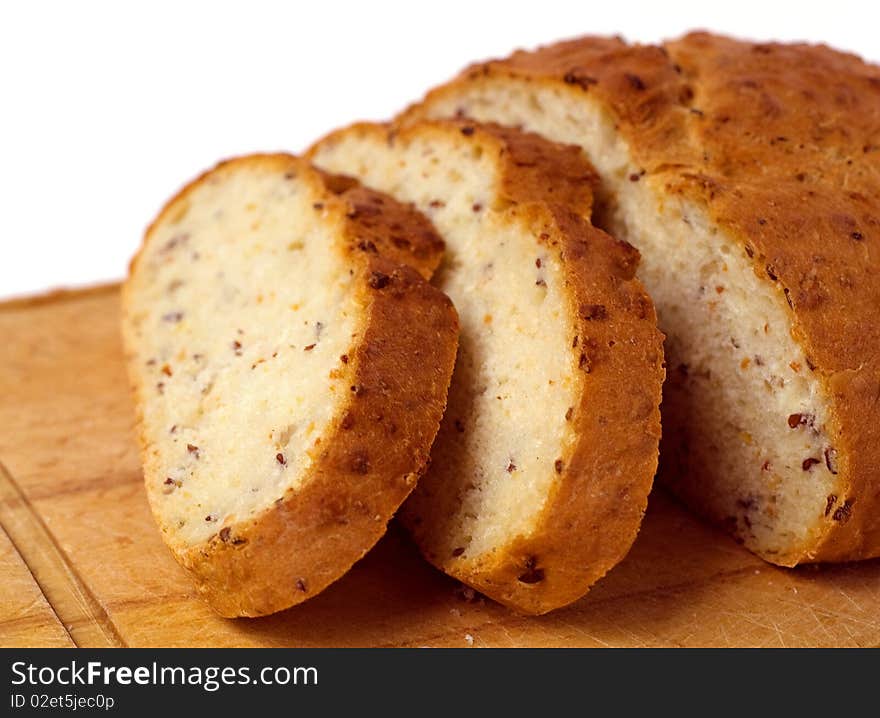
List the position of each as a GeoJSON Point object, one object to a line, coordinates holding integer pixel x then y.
{"type": "Point", "coordinates": [247, 288]}
{"type": "Point", "coordinates": [513, 360]}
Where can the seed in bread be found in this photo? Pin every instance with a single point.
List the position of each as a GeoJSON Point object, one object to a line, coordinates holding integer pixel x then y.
{"type": "Point", "coordinates": [746, 174]}
{"type": "Point", "coordinates": [290, 370]}
{"type": "Point", "coordinates": [540, 473]}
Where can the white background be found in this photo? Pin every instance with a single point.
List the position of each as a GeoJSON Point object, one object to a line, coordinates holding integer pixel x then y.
{"type": "Point", "coordinates": [106, 108]}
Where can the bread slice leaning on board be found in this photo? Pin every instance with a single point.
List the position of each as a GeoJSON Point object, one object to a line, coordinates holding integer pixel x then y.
{"type": "Point", "coordinates": [541, 470]}
{"type": "Point", "coordinates": [290, 371]}
{"type": "Point", "coordinates": [748, 176]}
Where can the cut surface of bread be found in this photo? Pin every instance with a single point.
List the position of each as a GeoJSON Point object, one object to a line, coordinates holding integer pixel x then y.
{"type": "Point", "coordinates": [747, 176]}
{"type": "Point", "coordinates": [541, 470]}
{"type": "Point", "coordinates": [290, 369]}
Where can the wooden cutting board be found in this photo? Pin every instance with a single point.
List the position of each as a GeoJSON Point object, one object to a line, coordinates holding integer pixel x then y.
{"type": "Point", "coordinates": [81, 562]}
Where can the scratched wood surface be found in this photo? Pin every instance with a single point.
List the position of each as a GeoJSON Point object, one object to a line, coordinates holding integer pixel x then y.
{"type": "Point", "coordinates": [81, 562]}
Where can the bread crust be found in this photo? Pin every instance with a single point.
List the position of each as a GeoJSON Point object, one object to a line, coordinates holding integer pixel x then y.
{"type": "Point", "coordinates": [780, 144]}
{"type": "Point", "coordinates": [593, 512]}
{"type": "Point", "coordinates": [378, 445]}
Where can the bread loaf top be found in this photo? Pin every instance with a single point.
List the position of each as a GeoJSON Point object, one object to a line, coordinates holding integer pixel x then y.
{"type": "Point", "coordinates": [781, 146]}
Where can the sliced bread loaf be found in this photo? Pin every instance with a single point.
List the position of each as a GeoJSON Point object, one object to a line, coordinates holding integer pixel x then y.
{"type": "Point", "coordinates": [290, 372]}
{"type": "Point", "coordinates": [541, 471]}
{"type": "Point", "coordinates": [747, 176]}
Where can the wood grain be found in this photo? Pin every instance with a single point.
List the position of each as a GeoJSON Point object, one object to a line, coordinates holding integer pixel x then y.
{"type": "Point", "coordinates": [26, 618]}
{"type": "Point", "coordinates": [90, 546]}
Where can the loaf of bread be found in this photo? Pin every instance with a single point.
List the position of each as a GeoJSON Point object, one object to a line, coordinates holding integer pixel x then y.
{"type": "Point", "coordinates": [542, 467]}
{"type": "Point", "coordinates": [290, 364]}
{"type": "Point", "coordinates": [748, 176]}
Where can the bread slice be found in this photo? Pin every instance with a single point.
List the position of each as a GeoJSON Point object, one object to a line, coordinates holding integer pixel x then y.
{"type": "Point", "coordinates": [747, 176]}
{"type": "Point", "coordinates": [541, 471]}
{"type": "Point", "coordinates": [290, 372]}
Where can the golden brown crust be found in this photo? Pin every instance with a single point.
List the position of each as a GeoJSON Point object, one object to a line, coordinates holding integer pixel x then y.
{"type": "Point", "coordinates": [781, 145]}
{"type": "Point", "coordinates": [593, 514]}
{"type": "Point", "coordinates": [379, 445]}
{"type": "Point", "coordinates": [533, 169]}
{"type": "Point", "coordinates": [380, 225]}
